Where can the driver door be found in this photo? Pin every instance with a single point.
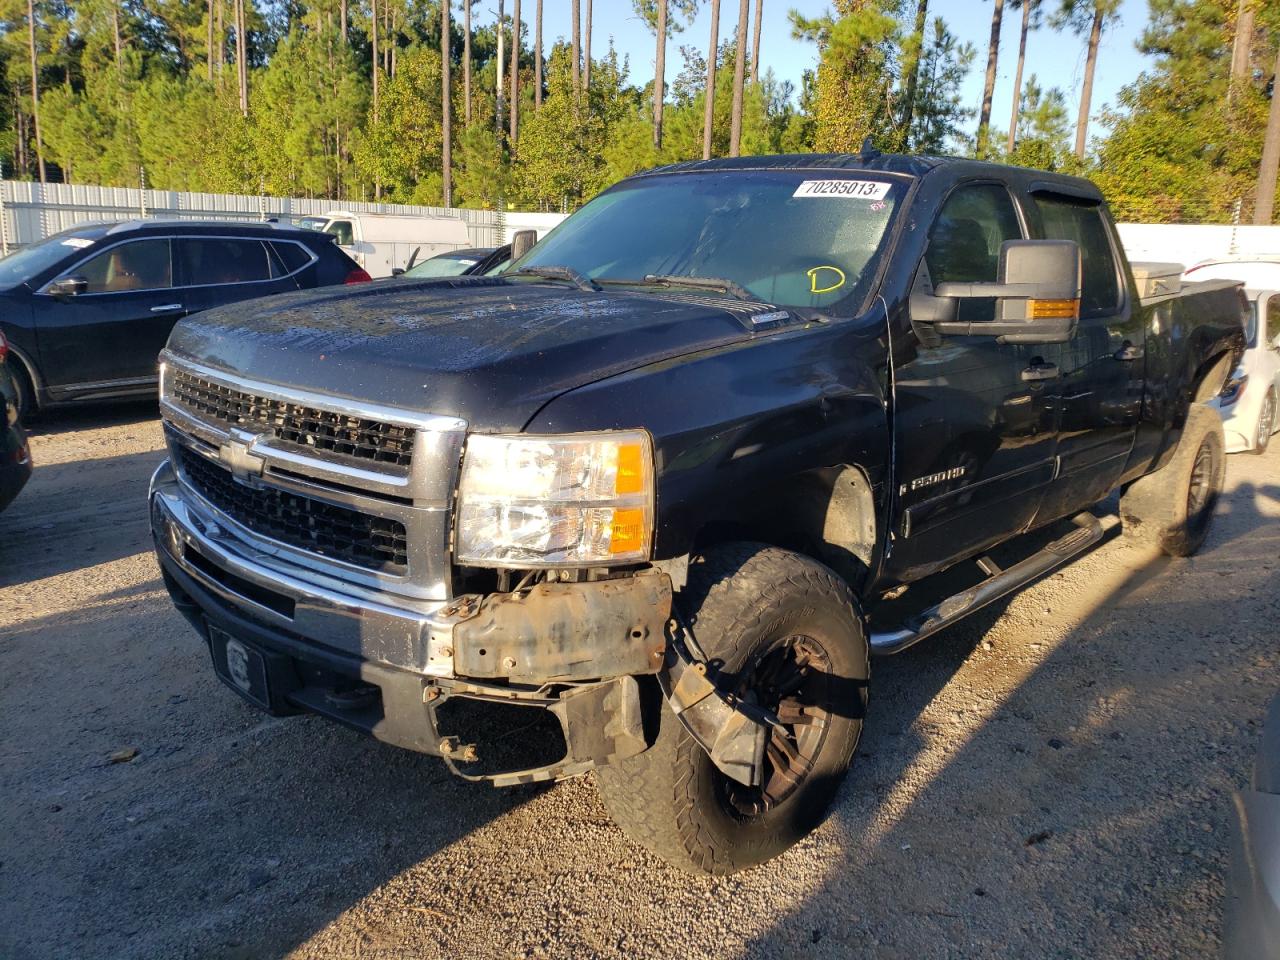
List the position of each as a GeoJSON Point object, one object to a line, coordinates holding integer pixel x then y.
{"type": "Point", "coordinates": [975, 419]}
{"type": "Point", "coordinates": [110, 335]}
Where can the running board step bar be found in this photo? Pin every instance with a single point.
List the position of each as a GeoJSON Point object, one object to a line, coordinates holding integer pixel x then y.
{"type": "Point", "coordinates": [1089, 530]}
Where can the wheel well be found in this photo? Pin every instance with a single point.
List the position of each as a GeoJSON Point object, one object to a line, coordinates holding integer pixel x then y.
{"type": "Point", "coordinates": [24, 368]}
{"type": "Point", "coordinates": [828, 514]}
{"type": "Point", "coordinates": [1210, 377]}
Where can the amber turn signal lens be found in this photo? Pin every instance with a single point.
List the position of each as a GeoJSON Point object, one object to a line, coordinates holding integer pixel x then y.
{"type": "Point", "coordinates": [630, 476]}
{"type": "Point", "coordinates": [1052, 309]}
{"type": "Point", "coordinates": [628, 531]}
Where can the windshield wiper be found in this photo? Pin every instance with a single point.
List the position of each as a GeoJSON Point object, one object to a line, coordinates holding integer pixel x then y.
{"type": "Point", "coordinates": [730, 287]}
{"type": "Point", "coordinates": [557, 273]}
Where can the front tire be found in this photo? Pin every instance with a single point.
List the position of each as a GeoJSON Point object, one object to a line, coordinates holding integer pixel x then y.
{"type": "Point", "coordinates": [1173, 507]}
{"type": "Point", "coordinates": [1266, 424]}
{"type": "Point", "coordinates": [780, 629]}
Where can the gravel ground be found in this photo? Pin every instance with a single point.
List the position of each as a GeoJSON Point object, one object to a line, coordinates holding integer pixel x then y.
{"type": "Point", "coordinates": [1051, 778]}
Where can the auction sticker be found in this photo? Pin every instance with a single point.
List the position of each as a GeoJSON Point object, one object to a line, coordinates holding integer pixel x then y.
{"type": "Point", "coordinates": [857, 189]}
{"type": "Point", "coordinates": [78, 242]}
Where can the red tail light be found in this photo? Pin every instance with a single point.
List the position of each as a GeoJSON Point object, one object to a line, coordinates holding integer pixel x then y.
{"type": "Point", "coordinates": [357, 276]}
{"type": "Point", "coordinates": [4, 348]}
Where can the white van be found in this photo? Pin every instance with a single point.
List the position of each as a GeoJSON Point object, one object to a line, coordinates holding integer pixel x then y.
{"type": "Point", "coordinates": [384, 242]}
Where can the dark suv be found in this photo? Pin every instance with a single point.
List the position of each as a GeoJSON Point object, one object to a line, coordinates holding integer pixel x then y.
{"type": "Point", "coordinates": [87, 310]}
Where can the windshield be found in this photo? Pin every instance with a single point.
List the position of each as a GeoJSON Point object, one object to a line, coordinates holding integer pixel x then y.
{"type": "Point", "coordinates": [38, 257]}
{"type": "Point", "coordinates": [792, 238]}
{"type": "Point", "coordinates": [445, 266]}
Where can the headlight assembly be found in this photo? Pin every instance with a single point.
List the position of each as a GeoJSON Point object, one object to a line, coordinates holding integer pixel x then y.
{"type": "Point", "coordinates": [554, 501]}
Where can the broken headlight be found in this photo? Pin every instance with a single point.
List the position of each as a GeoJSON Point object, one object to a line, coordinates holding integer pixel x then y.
{"type": "Point", "coordinates": [553, 501]}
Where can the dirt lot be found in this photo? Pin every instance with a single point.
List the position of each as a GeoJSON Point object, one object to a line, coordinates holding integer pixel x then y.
{"type": "Point", "coordinates": [1051, 779]}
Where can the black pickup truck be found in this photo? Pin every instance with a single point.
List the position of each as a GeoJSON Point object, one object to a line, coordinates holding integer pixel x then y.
{"type": "Point", "coordinates": [648, 501]}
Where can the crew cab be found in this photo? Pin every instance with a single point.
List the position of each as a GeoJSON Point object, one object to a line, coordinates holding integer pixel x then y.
{"type": "Point", "coordinates": [647, 501]}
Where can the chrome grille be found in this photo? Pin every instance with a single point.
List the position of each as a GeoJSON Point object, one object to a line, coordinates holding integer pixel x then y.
{"type": "Point", "coordinates": [295, 424]}
{"type": "Point", "coordinates": [339, 533]}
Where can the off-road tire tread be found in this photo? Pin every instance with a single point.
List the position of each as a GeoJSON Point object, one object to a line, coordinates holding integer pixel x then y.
{"type": "Point", "coordinates": [1153, 508]}
{"type": "Point", "coordinates": [652, 796]}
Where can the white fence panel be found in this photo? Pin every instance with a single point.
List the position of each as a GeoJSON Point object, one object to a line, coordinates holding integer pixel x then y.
{"type": "Point", "coordinates": [1189, 244]}
{"type": "Point", "coordinates": [32, 211]}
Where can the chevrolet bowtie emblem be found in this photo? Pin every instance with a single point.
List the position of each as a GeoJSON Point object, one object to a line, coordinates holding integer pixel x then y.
{"type": "Point", "coordinates": [237, 453]}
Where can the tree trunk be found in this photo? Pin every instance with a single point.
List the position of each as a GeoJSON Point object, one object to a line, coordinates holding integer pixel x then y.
{"type": "Point", "coordinates": [35, 85]}
{"type": "Point", "coordinates": [242, 55]}
{"type": "Point", "coordinates": [755, 44]}
{"type": "Point", "coordinates": [537, 57]}
{"type": "Point", "coordinates": [586, 54]}
{"type": "Point", "coordinates": [1241, 48]}
{"type": "Point", "coordinates": [989, 88]}
{"type": "Point", "coordinates": [446, 108]}
{"type": "Point", "coordinates": [115, 30]}
{"type": "Point", "coordinates": [1264, 206]}
{"type": "Point", "coordinates": [739, 73]}
{"type": "Point", "coordinates": [575, 11]}
{"type": "Point", "coordinates": [373, 27]}
{"type": "Point", "coordinates": [466, 62]}
{"type": "Point", "coordinates": [222, 40]}
{"type": "Point", "coordinates": [660, 74]}
{"type": "Point", "coordinates": [514, 133]}
{"type": "Point", "coordinates": [1086, 91]}
{"type": "Point", "coordinates": [342, 19]}
{"type": "Point", "coordinates": [209, 49]}
{"type": "Point", "coordinates": [713, 47]}
{"type": "Point", "coordinates": [913, 76]}
{"type": "Point", "coordinates": [499, 96]}
{"type": "Point", "coordinates": [1017, 76]}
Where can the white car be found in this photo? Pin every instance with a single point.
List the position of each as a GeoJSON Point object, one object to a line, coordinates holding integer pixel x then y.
{"type": "Point", "coordinates": [1250, 402]}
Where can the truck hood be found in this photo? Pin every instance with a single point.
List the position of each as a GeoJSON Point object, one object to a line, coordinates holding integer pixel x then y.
{"type": "Point", "coordinates": [488, 350]}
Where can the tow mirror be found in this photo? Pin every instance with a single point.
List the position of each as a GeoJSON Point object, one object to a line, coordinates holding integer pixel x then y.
{"type": "Point", "coordinates": [522, 242]}
{"type": "Point", "coordinates": [68, 287]}
{"type": "Point", "coordinates": [1037, 295]}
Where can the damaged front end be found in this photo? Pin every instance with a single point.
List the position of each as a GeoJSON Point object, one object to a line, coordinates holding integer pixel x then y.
{"type": "Point", "coordinates": [588, 649]}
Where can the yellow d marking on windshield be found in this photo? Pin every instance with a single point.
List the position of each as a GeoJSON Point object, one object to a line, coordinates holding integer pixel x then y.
{"type": "Point", "coordinates": [813, 279]}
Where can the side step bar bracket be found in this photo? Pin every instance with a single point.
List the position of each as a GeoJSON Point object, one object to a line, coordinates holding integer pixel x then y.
{"type": "Point", "coordinates": [1089, 531]}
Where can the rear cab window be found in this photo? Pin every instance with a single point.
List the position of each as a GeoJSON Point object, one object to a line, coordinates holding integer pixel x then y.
{"type": "Point", "coordinates": [1068, 218]}
{"type": "Point", "coordinates": [343, 230]}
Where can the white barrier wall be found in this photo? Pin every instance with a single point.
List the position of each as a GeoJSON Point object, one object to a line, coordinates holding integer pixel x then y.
{"type": "Point", "coordinates": [1189, 244]}
{"type": "Point", "coordinates": [32, 211]}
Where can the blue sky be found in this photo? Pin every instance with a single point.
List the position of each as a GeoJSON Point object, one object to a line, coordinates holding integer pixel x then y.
{"type": "Point", "coordinates": [1057, 59]}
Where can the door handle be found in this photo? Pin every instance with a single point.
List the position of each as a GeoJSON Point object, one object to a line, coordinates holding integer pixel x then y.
{"type": "Point", "coordinates": [1129, 352]}
{"type": "Point", "coordinates": [1041, 371]}
{"type": "Point", "coordinates": [167, 308]}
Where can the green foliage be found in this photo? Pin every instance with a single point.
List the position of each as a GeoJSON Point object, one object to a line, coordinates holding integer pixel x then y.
{"type": "Point", "coordinates": [1178, 150]}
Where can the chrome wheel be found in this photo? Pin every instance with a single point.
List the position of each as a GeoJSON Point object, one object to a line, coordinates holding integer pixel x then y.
{"type": "Point", "coordinates": [1266, 422]}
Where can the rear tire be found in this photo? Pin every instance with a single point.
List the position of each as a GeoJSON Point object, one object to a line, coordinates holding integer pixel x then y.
{"type": "Point", "coordinates": [1173, 507]}
{"type": "Point", "coordinates": [784, 629]}
{"type": "Point", "coordinates": [1266, 424]}
{"type": "Point", "coordinates": [23, 386]}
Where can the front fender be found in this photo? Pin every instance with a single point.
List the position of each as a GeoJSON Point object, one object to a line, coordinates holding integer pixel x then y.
{"type": "Point", "coordinates": [731, 423]}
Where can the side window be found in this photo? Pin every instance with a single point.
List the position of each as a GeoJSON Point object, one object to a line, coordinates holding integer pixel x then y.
{"type": "Point", "coordinates": [293, 255]}
{"type": "Point", "coordinates": [1079, 220]}
{"type": "Point", "coordinates": [215, 260]}
{"type": "Point", "coordinates": [964, 244]}
{"type": "Point", "coordinates": [141, 265]}
{"type": "Point", "coordinates": [342, 230]}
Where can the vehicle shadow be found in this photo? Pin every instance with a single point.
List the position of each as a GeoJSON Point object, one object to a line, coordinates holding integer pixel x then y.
{"type": "Point", "coordinates": [70, 419]}
{"type": "Point", "coordinates": [76, 514]}
{"type": "Point", "coordinates": [229, 832]}
{"type": "Point", "coordinates": [1032, 825]}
